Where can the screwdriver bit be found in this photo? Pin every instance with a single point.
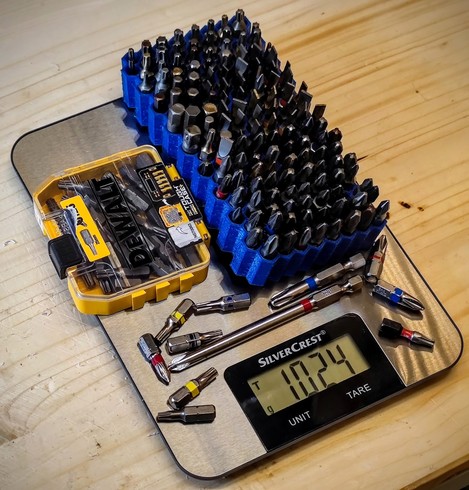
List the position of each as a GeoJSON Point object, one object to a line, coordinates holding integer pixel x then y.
{"type": "Point", "coordinates": [394, 330]}
{"type": "Point", "coordinates": [231, 302]}
{"type": "Point", "coordinates": [313, 283]}
{"type": "Point", "coordinates": [191, 390]}
{"type": "Point", "coordinates": [191, 341]}
{"type": "Point", "coordinates": [375, 262]}
{"type": "Point", "coordinates": [189, 415]}
{"type": "Point", "coordinates": [397, 296]}
{"type": "Point", "coordinates": [269, 250]}
{"type": "Point", "coordinates": [317, 301]}
{"type": "Point", "coordinates": [152, 353]}
{"type": "Point", "coordinates": [254, 238]}
{"type": "Point", "coordinates": [381, 211]}
{"type": "Point", "coordinates": [176, 320]}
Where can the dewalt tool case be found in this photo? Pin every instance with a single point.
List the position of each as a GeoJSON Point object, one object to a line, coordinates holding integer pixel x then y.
{"type": "Point", "coordinates": [123, 230]}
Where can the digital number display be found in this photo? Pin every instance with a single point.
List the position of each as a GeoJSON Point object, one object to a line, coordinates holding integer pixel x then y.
{"type": "Point", "coordinates": [304, 376]}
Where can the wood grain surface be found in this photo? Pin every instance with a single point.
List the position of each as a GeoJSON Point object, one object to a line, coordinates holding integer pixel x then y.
{"type": "Point", "coordinates": [394, 75]}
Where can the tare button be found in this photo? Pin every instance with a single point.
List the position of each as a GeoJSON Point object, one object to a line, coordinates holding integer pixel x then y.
{"type": "Point", "coordinates": [359, 391]}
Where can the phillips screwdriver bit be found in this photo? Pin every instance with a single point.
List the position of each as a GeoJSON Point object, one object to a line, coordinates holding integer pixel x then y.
{"type": "Point", "coordinates": [394, 330]}
{"type": "Point", "coordinates": [191, 390]}
{"type": "Point", "coordinates": [152, 353]}
{"type": "Point", "coordinates": [189, 415]}
{"type": "Point", "coordinates": [225, 304]}
{"type": "Point", "coordinates": [313, 283]}
{"type": "Point", "coordinates": [237, 215]}
{"type": "Point", "coordinates": [375, 262]}
{"type": "Point", "coordinates": [381, 211]}
{"type": "Point", "coordinates": [317, 300]}
{"type": "Point", "coordinates": [397, 296]}
{"type": "Point", "coordinates": [269, 250]}
{"type": "Point", "coordinates": [351, 222]}
{"type": "Point", "coordinates": [254, 238]}
{"type": "Point", "coordinates": [191, 341]}
{"type": "Point", "coordinates": [176, 320]}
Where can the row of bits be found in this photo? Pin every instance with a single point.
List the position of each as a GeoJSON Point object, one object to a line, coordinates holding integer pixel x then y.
{"type": "Point", "coordinates": [261, 160]}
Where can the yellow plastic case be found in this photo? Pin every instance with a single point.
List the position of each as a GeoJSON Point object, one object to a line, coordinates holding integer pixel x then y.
{"type": "Point", "coordinates": [123, 230]}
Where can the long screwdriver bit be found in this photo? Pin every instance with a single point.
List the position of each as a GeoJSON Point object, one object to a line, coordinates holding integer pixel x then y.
{"type": "Point", "coordinates": [313, 283]}
{"type": "Point", "coordinates": [317, 301]}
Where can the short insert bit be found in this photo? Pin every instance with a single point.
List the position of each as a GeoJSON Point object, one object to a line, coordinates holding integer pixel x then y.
{"type": "Point", "coordinates": [184, 395]}
{"type": "Point", "coordinates": [176, 320]}
{"type": "Point", "coordinates": [397, 296]}
{"type": "Point", "coordinates": [375, 262]}
{"type": "Point", "coordinates": [230, 302]}
{"type": "Point", "coordinates": [152, 353]}
{"type": "Point", "coordinates": [312, 283]}
{"type": "Point", "coordinates": [191, 341]}
{"type": "Point", "coordinates": [189, 415]}
{"type": "Point", "coordinates": [394, 330]}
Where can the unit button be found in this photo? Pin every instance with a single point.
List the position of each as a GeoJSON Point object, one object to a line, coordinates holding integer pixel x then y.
{"type": "Point", "coordinates": [359, 391]}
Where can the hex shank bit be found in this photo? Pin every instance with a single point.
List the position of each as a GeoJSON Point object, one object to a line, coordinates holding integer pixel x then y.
{"type": "Point", "coordinates": [318, 300]}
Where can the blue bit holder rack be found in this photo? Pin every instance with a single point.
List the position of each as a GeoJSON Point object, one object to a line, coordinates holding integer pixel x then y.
{"type": "Point", "coordinates": [246, 262]}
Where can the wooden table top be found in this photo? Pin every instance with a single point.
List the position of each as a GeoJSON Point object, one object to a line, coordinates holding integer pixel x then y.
{"type": "Point", "coordinates": [394, 76]}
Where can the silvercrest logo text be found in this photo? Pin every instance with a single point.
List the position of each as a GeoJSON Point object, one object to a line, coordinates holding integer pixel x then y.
{"type": "Point", "coordinates": [294, 348]}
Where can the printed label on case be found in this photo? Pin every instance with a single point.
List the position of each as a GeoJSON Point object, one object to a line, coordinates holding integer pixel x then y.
{"type": "Point", "coordinates": [82, 224]}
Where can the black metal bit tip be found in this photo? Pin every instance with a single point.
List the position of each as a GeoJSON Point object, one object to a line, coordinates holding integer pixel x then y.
{"type": "Point", "coordinates": [254, 238]}
{"type": "Point", "coordinates": [269, 249]}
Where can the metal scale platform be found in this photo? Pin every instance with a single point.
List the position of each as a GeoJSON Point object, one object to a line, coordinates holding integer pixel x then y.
{"type": "Point", "coordinates": [240, 433]}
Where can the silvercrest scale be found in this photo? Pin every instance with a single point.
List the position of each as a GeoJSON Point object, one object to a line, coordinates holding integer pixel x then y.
{"type": "Point", "coordinates": [285, 385]}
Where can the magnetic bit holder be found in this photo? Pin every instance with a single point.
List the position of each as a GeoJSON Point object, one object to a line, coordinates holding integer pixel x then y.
{"type": "Point", "coordinates": [167, 132]}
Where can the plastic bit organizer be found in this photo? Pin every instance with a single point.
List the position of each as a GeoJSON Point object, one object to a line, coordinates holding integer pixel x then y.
{"type": "Point", "coordinates": [288, 108]}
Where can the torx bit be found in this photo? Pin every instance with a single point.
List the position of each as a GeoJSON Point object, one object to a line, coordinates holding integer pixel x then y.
{"type": "Point", "coordinates": [195, 414]}
{"type": "Point", "coordinates": [397, 296]}
{"type": "Point", "coordinates": [191, 341]}
{"type": "Point", "coordinates": [176, 320]}
{"type": "Point", "coordinates": [313, 283]}
{"type": "Point", "coordinates": [207, 152]}
{"type": "Point", "coordinates": [394, 330]}
{"type": "Point", "coordinates": [375, 262]}
{"type": "Point", "coordinates": [152, 353]}
{"type": "Point", "coordinates": [230, 302]}
{"type": "Point", "coordinates": [317, 300]}
{"type": "Point", "coordinates": [184, 395]}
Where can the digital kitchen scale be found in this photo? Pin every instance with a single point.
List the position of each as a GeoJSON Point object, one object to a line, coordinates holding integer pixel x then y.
{"type": "Point", "coordinates": [283, 386]}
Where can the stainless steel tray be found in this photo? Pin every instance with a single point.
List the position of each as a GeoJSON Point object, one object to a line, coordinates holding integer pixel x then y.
{"type": "Point", "coordinates": [213, 450]}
